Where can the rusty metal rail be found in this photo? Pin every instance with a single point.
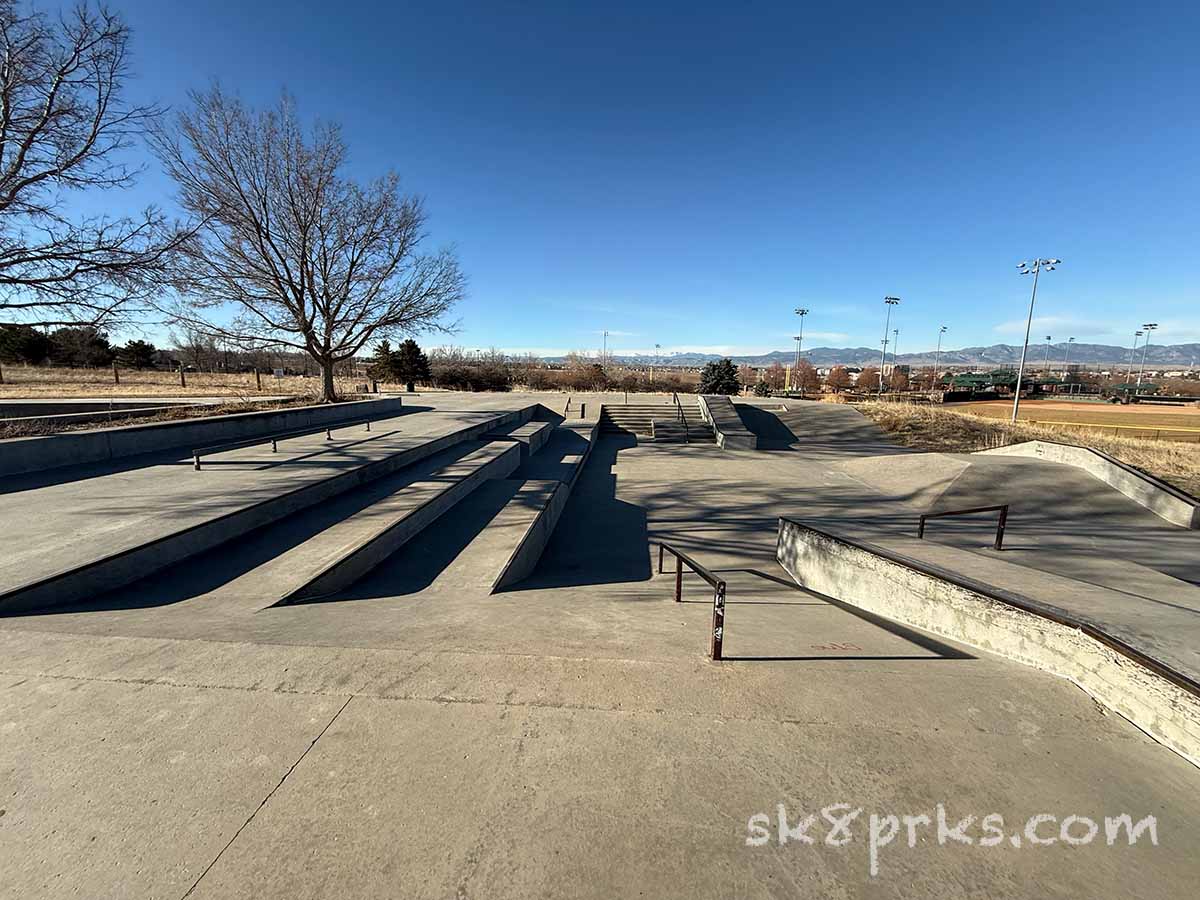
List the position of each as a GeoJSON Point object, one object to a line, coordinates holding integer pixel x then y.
{"type": "Point", "coordinates": [273, 440]}
{"type": "Point", "coordinates": [718, 586]}
{"type": "Point", "coordinates": [1002, 509]}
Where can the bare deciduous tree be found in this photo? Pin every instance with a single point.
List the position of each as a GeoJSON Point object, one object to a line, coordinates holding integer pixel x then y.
{"type": "Point", "coordinates": [306, 257]}
{"type": "Point", "coordinates": [63, 125]}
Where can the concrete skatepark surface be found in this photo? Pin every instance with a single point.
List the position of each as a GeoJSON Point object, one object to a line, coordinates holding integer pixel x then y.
{"type": "Point", "coordinates": [416, 736]}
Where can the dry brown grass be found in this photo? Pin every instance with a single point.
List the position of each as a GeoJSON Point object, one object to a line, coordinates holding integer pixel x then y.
{"type": "Point", "coordinates": [936, 429]}
{"type": "Point", "coordinates": [36, 429]}
{"type": "Point", "coordinates": [36, 382]}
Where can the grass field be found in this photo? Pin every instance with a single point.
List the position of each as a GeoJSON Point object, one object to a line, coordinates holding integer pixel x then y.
{"type": "Point", "coordinates": [951, 429]}
{"type": "Point", "coordinates": [1177, 423]}
{"type": "Point", "coordinates": [34, 382]}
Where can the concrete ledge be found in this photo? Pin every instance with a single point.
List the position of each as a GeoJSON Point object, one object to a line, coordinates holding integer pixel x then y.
{"type": "Point", "coordinates": [551, 497]}
{"type": "Point", "coordinates": [377, 540]}
{"type": "Point", "coordinates": [1161, 701]}
{"type": "Point", "coordinates": [529, 549]}
{"type": "Point", "coordinates": [1164, 500]}
{"type": "Point", "coordinates": [531, 436]}
{"type": "Point", "coordinates": [732, 433]}
{"type": "Point", "coordinates": [124, 568]}
{"type": "Point", "coordinates": [83, 418]}
{"type": "Point", "coordinates": [36, 454]}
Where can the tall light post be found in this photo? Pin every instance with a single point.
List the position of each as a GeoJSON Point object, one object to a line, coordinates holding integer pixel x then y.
{"type": "Point", "coordinates": [801, 312]}
{"type": "Point", "coordinates": [1067, 361]}
{"type": "Point", "coordinates": [937, 357]}
{"type": "Point", "coordinates": [887, 323]}
{"type": "Point", "coordinates": [1046, 361]}
{"type": "Point", "coordinates": [1149, 327]}
{"type": "Point", "coordinates": [1025, 269]}
{"type": "Point", "coordinates": [1132, 354]}
{"type": "Point", "coordinates": [657, 348]}
{"type": "Point", "coordinates": [604, 352]}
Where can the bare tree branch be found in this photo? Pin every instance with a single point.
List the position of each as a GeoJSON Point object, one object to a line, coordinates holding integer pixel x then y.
{"type": "Point", "coordinates": [305, 257]}
{"type": "Point", "coordinates": [63, 125]}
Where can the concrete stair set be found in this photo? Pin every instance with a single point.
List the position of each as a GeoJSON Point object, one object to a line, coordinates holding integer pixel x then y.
{"type": "Point", "coordinates": [661, 422]}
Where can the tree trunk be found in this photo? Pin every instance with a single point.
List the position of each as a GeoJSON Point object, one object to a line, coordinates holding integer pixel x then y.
{"type": "Point", "coordinates": [411, 387]}
{"type": "Point", "coordinates": [328, 392]}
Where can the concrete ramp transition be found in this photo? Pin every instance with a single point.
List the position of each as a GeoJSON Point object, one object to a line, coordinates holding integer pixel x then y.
{"type": "Point", "coordinates": [1151, 689]}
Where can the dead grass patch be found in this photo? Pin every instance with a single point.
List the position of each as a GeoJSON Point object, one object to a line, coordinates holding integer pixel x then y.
{"type": "Point", "coordinates": [936, 429]}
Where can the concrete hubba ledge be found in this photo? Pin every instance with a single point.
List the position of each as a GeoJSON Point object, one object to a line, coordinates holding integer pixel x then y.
{"type": "Point", "coordinates": [1163, 703]}
{"type": "Point", "coordinates": [1162, 499]}
{"type": "Point", "coordinates": [36, 454]}
{"type": "Point", "coordinates": [732, 433]}
{"type": "Point", "coordinates": [552, 498]}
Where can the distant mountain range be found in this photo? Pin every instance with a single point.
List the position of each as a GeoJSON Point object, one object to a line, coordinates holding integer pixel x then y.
{"type": "Point", "coordinates": [1170, 355]}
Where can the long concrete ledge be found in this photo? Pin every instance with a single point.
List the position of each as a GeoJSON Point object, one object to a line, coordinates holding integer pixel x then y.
{"type": "Point", "coordinates": [36, 454]}
{"type": "Point", "coordinates": [722, 415]}
{"type": "Point", "coordinates": [1164, 500]}
{"type": "Point", "coordinates": [1158, 699]}
{"type": "Point", "coordinates": [384, 527]}
{"type": "Point", "coordinates": [553, 499]}
{"type": "Point", "coordinates": [125, 567]}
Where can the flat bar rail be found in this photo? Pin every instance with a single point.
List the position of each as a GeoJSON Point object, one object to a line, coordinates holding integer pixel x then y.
{"type": "Point", "coordinates": [718, 623]}
{"type": "Point", "coordinates": [687, 438]}
{"type": "Point", "coordinates": [1000, 524]}
{"type": "Point", "coordinates": [273, 439]}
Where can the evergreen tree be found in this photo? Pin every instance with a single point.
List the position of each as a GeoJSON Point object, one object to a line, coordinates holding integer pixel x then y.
{"type": "Point", "coordinates": [137, 355]}
{"type": "Point", "coordinates": [21, 343]}
{"type": "Point", "coordinates": [719, 377]}
{"type": "Point", "coordinates": [410, 364]}
{"type": "Point", "coordinates": [380, 368]}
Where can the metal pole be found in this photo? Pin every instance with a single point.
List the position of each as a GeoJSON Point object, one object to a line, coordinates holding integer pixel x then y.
{"type": "Point", "coordinates": [1024, 349]}
{"type": "Point", "coordinates": [718, 627]}
{"type": "Point", "coordinates": [1046, 361]}
{"type": "Point", "coordinates": [887, 323]}
{"type": "Point", "coordinates": [1145, 347]}
{"type": "Point", "coordinates": [1132, 354]}
{"type": "Point", "coordinates": [678, 580]}
{"type": "Point", "coordinates": [1067, 362]}
{"type": "Point", "coordinates": [937, 358]}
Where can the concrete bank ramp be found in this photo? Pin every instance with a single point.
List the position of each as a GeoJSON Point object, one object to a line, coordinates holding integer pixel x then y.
{"type": "Point", "coordinates": [918, 478]}
{"type": "Point", "coordinates": [1164, 500]}
{"type": "Point", "coordinates": [1140, 658]}
{"type": "Point", "coordinates": [732, 434]}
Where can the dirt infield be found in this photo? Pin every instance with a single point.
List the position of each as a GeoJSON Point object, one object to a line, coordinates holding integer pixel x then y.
{"type": "Point", "coordinates": [1135, 420]}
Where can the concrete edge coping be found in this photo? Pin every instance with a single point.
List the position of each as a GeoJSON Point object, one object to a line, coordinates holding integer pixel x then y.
{"type": "Point", "coordinates": [1025, 604]}
{"type": "Point", "coordinates": [467, 433]}
{"type": "Point", "coordinates": [169, 424]}
{"type": "Point", "coordinates": [1156, 482]}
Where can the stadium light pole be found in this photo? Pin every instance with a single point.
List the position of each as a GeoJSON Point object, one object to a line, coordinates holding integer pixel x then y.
{"type": "Point", "coordinates": [657, 349]}
{"type": "Point", "coordinates": [1026, 269]}
{"type": "Point", "coordinates": [1046, 361]}
{"type": "Point", "coordinates": [1149, 327]}
{"type": "Point", "coordinates": [1067, 361]}
{"type": "Point", "coordinates": [1132, 354]}
{"type": "Point", "coordinates": [887, 323]}
{"type": "Point", "coordinates": [801, 312]}
{"type": "Point", "coordinates": [937, 357]}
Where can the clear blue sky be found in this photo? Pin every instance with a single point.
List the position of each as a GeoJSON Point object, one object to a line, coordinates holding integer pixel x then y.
{"type": "Point", "coordinates": [686, 175]}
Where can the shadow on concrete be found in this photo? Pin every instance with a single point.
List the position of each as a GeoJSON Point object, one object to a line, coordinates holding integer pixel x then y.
{"type": "Point", "coordinates": [771, 431]}
{"type": "Point", "coordinates": [599, 539]}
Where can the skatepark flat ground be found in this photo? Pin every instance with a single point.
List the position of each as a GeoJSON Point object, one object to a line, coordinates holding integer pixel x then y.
{"type": "Point", "coordinates": [569, 737]}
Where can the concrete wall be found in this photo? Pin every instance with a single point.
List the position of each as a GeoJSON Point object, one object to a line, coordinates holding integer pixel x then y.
{"type": "Point", "coordinates": [1164, 500]}
{"type": "Point", "coordinates": [21, 409]}
{"type": "Point", "coordinates": [1163, 704]}
{"type": "Point", "coordinates": [732, 433]}
{"type": "Point", "coordinates": [35, 454]}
